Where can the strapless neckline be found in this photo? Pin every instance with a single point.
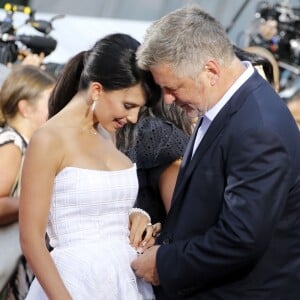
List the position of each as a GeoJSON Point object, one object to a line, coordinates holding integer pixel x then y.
{"type": "Point", "coordinates": [64, 169]}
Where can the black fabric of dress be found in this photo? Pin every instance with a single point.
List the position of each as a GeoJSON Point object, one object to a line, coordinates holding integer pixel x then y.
{"type": "Point", "coordinates": [158, 143]}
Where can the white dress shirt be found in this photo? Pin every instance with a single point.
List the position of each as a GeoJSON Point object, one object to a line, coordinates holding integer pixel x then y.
{"type": "Point", "coordinates": [209, 116]}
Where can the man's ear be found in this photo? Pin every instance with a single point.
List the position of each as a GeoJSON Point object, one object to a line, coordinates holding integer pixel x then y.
{"type": "Point", "coordinates": [213, 71]}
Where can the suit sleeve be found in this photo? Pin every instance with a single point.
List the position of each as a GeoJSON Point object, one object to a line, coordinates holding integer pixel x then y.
{"type": "Point", "coordinates": [258, 172]}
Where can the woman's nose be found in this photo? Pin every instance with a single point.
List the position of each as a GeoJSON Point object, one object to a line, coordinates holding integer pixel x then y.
{"type": "Point", "coordinates": [168, 98]}
{"type": "Point", "coordinates": [133, 117]}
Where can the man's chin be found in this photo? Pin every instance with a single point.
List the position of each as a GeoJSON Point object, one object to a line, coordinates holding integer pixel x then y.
{"type": "Point", "coordinates": [191, 111]}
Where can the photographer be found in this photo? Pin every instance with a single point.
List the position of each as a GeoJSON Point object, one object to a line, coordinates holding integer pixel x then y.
{"type": "Point", "coordinates": [277, 29]}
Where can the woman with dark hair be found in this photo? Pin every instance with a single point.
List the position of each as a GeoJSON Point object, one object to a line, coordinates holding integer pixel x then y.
{"type": "Point", "coordinates": [78, 187]}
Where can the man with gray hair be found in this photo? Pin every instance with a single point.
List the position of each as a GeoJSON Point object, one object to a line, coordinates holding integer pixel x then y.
{"type": "Point", "coordinates": [233, 229]}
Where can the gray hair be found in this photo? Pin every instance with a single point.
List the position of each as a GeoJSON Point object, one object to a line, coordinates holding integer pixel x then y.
{"type": "Point", "coordinates": [186, 39]}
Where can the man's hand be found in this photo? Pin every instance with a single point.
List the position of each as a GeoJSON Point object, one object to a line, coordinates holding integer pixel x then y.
{"type": "Point", "coordinates": [145, 266]}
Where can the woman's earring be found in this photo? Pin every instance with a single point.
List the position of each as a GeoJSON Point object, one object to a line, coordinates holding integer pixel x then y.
{"type": "Point", "coordinates": [93, 106]}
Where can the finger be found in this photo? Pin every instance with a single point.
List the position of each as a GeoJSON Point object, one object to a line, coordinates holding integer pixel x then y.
{"type": "Point", "coordinates": [155, 282]}
{"type": "Point", "coordinates": [148, 234]}
{"type": "Point", "coordinates": [149, 243]}
{"type": "Point", "coordinates": [136, 234]}
{"type": "Point", "coordinates": [148, 239]}
{"type": "Point", "coordinates": [135, 265]}
{"type": "Point", "coordinates": [135, 269]}
{"type": "Point", "coordinates": [156, 229]}
{"type": "Point", "coordinates": [138, 224]}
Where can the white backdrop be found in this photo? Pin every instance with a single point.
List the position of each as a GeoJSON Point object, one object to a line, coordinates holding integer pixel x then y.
{"type": "Point", "coordinates": [225, 11]}
{"type": "Point", "coordinates": [76, 33]}
{"type": "Point", "coordinates": [88, 20]}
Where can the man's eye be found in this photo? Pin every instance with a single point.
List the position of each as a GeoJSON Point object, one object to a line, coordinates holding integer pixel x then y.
{"type": "Point", "coordinates": [169, 90]}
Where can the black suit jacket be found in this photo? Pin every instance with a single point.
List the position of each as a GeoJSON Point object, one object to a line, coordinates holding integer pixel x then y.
{"type": "Point", "coordinates": [233, 231]}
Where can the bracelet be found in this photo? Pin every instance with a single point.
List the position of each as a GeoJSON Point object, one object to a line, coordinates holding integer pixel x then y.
{"type": "Point", "coordinates": [141, 211]}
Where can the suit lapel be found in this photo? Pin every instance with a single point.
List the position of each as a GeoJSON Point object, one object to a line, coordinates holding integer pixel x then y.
{"type": "Point", "coordinates": [213, 131]}
{"type": "Point", "coordinates": [189, 149]}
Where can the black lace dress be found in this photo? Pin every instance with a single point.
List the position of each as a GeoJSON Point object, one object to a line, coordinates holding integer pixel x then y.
{"type": "Point", "coordinates": [157, 144]}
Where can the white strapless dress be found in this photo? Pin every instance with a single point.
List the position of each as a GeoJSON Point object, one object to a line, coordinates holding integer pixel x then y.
{"type": "Point", "coordinates": [88, 229]}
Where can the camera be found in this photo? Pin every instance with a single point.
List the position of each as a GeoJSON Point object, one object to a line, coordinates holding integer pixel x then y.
{"type": "Point", "coordinates": [10, 40]}
{"type": "Point", "coordinates": [278, 30]}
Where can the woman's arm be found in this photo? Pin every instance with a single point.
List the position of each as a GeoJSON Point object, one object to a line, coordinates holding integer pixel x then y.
{"type": "Point", "coordinates": [9, 169]}
{"type": "Point", "coordinates": [167, 181]}
{"type": "Point", "coordinates": [9, 210]}
{"type": "Point", "coordinates": [40, 168]}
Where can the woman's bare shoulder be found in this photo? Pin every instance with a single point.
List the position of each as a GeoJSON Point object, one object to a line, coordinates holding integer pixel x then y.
{"type": "Point", "coordinates": [47, 134]}
{"type": "Point", "coordinates": [46, 147]}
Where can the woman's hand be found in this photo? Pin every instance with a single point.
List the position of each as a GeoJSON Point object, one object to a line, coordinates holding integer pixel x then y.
{"type": "Point", "coordinates": [150, 234]}
{"type": "Point", "coordinates": [142, 232]}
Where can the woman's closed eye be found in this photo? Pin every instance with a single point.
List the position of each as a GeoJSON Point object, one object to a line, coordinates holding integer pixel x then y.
{"type": "Point", "coordinates": [130, 106]}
